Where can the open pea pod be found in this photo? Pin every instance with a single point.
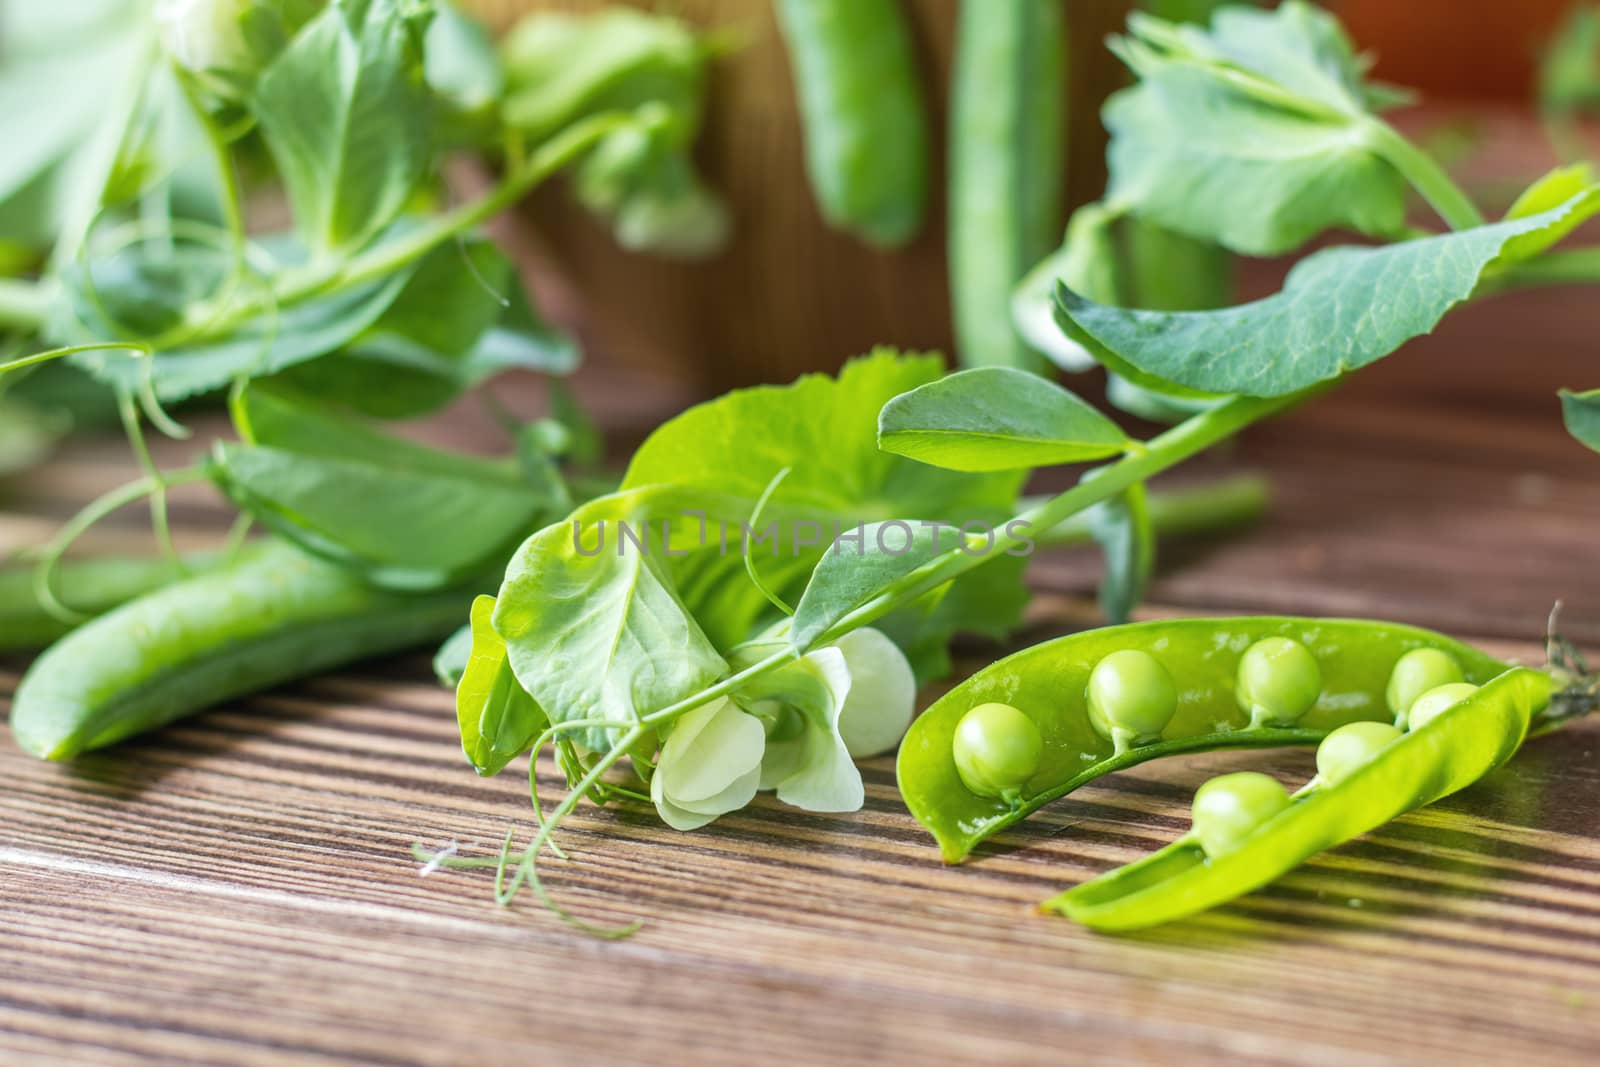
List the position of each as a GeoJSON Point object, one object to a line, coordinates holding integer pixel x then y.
{"type": "Point", "coordinates": [1048, 683]}
{"type": "Point", "coordinates": [1462, 745]}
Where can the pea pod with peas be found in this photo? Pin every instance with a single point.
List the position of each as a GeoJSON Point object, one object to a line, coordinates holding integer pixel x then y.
{"type": "Point", "coordinates": [1401, 717]}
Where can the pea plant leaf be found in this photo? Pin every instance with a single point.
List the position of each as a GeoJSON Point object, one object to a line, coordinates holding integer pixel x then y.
{"type": "Point", "coordinates": [141, 294]}
{"type": "Point", "coordinates": [852, 570]}
{"type": "Point", "coordinates": [463, 317]}
{"type": "Point", "coordinates": [609, 627]}
{"type": "Point", "coordinates": [1088, 263]}
{"type": "Point", "coordinates": [995, 419]}
{"type": "Point", "coordinates": [1578, 184]}
{"type": "Point", "coordinates": [1255, 133]}
{"type": "Point", "coordinates": [407, 516]}
{"type": "Point", "coordinates": [594, 627]}
{"type": "Point", "coordinates": [450, 662]}
{"type": "Point", "coordinates": [1581, 412]}
{"type": "Point", "coordinates": [1339, 310]}
{"type": "Point", "coordinates": [498, 719]}
{"type": "Point", "coordinates": [642, 178]}
{"type": "Point", "coordinates": [1123, 529]}
{"type": "Point", "coordinates": [344, 111]}
{"type": "Point", "coordinates": [824, 429]}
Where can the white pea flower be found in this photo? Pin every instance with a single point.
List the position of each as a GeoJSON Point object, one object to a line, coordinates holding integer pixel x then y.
{"type": "Point", "coordinates": [205, 35]}
{"type": "Point", "coordinates": [710, 764]}
{"type": "Point", "coordinates": [797, 732]}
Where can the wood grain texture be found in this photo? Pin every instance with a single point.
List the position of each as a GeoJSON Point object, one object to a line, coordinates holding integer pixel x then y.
{"type": "Point", "coordinates": [238, 889]}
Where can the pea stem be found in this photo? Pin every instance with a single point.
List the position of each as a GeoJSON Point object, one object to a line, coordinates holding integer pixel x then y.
{"type": "Point", "coordinates": [1220, 505]}
{"type": "Point", "coordinates": [1426, 176]}
{"type": "Point", "coordinates": [390, 256]}
{"type": "Point", "coordinates": [1183, 441]}
{"type": "Point", "coordinates": [1577, 266]}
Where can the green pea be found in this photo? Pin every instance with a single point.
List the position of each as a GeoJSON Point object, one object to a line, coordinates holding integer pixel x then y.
{"type": "Point", "coordinates": [1436, 701]}
{"type": "Point", "coordinates": [1227, 810]}
{"type": "Point", "coordinates": [1415, 673]}
{"type": "Point", "coordinates": [997, 749]}
{"type": "Point", "coordinates": [1279, 681]}
{"type": "Point", "coordinates": [1131, 697]}
{"type": "Point", "coordinates": [1352, 747]}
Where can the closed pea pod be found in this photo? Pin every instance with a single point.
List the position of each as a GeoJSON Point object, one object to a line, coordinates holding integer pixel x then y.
{"type": "Point", "coordinates": [1007, 167]}
{"type": "Point", "coordinates": [275, 615]}
{"type": "Point", "coordinates": [1049, 684]}
{"type": "Point", "coordinates": [868, 146]}
{"type": "Point", "coordinates": [88, 586]}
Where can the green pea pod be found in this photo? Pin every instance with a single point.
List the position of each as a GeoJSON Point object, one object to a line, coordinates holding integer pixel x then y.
{"type": "Point", "coordinates": [1048, 683]}
{"type": "Point", "coordinates": [1007, 167]}
{"type": "Point", "coordinates": [277, 614]}
{"type": "Point", "coordinates": [89, 586]}
{"type": "Point", "coordinates": [1461, 746]}
{"type": "Point", "coordinates": [866, 124]}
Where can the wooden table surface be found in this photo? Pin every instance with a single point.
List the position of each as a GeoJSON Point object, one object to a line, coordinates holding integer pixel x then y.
{"type": "Point", "coordinates": [239, 889]}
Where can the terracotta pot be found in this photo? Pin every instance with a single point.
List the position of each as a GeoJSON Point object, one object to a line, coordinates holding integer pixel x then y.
{"type": "Point", "coordinates": [788, 295]}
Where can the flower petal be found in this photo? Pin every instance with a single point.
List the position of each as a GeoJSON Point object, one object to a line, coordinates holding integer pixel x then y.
{"type": "Point", "coordinates": [883, 693]}
{"type": "Point", "coordinates": [708, 750]}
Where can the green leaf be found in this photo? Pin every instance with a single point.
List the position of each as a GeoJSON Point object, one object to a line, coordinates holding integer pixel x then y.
{"type": "Point", "coordinates": [448, 330]}
{"type": "Point", "coordinates": [344, 113]}
{"type": "Point", "coordinates": [1122, 528]}
{"type": "Point", "coordinates": [51, 100]}
{"type": "Point", "coordinates": [561, 67]}
{"type": "Point", "coordinates": [988, 602]}
{"type": "Point", "coordinates": [142, 294]}
{"type": "Point", "coordinates": [1087, 262]}
{"type": "Point", "coordinates": [826, 430]}
{"type": "Point", "coordinates": [1255, 134]}
{"type": "Point", "coordinates": [460, 61]}
{"type": "Point", "coordinates": [641, 178]}
{"type": "Point", "coordinates": [701, 475]}
{"type": "Point", "coordinates": [450, 662]}
{"type": "Point", "coordinates": [1578, 184]}
{"type": "Point", "coordinates": [1581, 413]}
{"type": "Point", "coordinates": [823, 428]}
{"type": "Point", "coordinates": [407, 516]}
{"type": "Point", "coordinates": [499, 721]}
{"type": "Point", "coordinates": [1339, 310]}
{"type": "Point", "coordinates": [601, 635]}
{"type": "Point", "coordinates": [852, 571]}
{"type": "Point", "coordinates": [996, 419]}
